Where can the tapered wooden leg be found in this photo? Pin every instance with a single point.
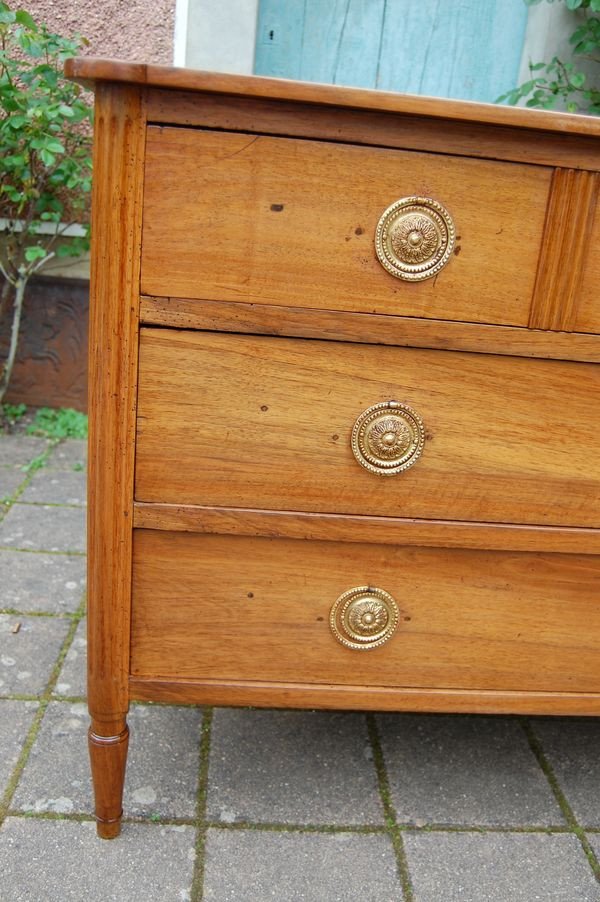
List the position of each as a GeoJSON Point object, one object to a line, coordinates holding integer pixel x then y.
{"type": "Point", "coordinates": [108, 744]}
{"type": "Point", "coordinates": [119, 146]}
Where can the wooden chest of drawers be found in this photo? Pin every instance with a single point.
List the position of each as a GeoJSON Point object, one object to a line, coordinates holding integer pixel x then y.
{"type": "Point", "coordinates": [344, 443]}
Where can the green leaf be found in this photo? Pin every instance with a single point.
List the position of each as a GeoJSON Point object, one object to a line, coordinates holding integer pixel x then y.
{"type": "Point", "coordinates": [47, 158]}
{"type": "Point", "coordinates": [45, 165]}
{"type": "Point", "coordinates": [573, 4]}
{"type": "Point", "coordinates": [13, 194]}
{"type": "Point", "coordinates": [578, 79]}
{"type": "Point", "coordinates": [34, 253]}
{"type": "Point", "coordinates": [13, 161]}
{"type": "Point", "coordinates": [572, 107]}
{"type": "Point", "coordinates": [585, 47]}
{"type": "Point", "coordinates": [62, 423]}
{"type": "Point", "coordinates": [23, 18]}
{"type": "Point", "coordinates": [30, 46]}
{"type": "Point", "coordinates": [55, 147]}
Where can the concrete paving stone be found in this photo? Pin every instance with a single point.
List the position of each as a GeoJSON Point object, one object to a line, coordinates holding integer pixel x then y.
{"type": "Point", "coordinates": [56, 776]}
{"type": "Point", "coordinates": [298, 767]}
{"type": "Point", "coordinates": [70, 454]}
{"type": "Point", "coordinates": [28, 654]}
{"type": "Point", "coordinates": [256, 865]}
{"type": "Point", "coordinates": [499, 867]}
{"type": "Point", "coordinates": [162, 770]}
{"type": "Point", "coordinates": [44, 527]}
{"type": "Point", "coordinates": [162, 767]}
{"type": "Point", "coordinates": [51, 583]}
{"type": "Point", "coordinates": [10, 480]}
{"type": "Point", "coordinates": [594, 839]}
{"type": "Point", "coordinates": [64, 860]}
{"type": "Point", "coordinates": [18, 450]}
{"type": "Point", "coordinates": [72, 678]}
{"type": "Point", "coordinates": [56, 487]}
{"type": "Point", "coordinates": [571, 747]}
{"type": "Point", "coordinates": [449, 769]}
{"type": "Point", "coordinates": [15, 720]}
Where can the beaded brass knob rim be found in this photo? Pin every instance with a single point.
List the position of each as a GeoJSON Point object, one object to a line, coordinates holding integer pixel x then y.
{"type": "Point", "coordinates": [388, 438]}
{"type": "Point", "coordinates": [414, 238]}
{"type": "Point", "coordinates": [364, 617]}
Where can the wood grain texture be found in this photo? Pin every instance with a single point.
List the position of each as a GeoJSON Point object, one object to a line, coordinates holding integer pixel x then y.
{"type": "Point", "coordinates": [338, 325]}
{"type": "Point", "coordinates": [380, 530]}
{"type": "Point", "coordinates": [408, 131]}
{"type": "Point", "coordinates": [114, 301]}
{"type": "Point", "coordinates": [108, 759]}
{"type": "Point", "coordinates": [252, 515]}
{"type": "Point", "coordinates": [90, 69]}
{"type": "Point", "coordinates": [338, 43]}
{"type": "Point", "coordinates": [362, 698]}
{"type": "Point", "coordinates": [468, 619]}
{"type": "Point", "coordinates": [569, 217]}
{"type": "Point", "coordinates": [588, 310]}
{"type": "Point", "coordinates": [470, 50]}
{"type": "Point", "coordinates": [250, 421]}
{"type": "Point", "coordinates": [293, 222]}
{"type": "Point", "coordinates": [400, 130]}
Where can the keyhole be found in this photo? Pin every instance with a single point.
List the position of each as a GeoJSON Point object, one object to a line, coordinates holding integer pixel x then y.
{"type": "Point", "coordinates": [271, 35]}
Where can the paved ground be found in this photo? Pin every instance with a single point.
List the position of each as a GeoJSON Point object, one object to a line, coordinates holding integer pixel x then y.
{"type": "Point", "coordinates": [252, 806]}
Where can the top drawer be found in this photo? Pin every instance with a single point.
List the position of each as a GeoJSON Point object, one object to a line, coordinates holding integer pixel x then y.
{"type": "Point", "coordinates": [232, 216]}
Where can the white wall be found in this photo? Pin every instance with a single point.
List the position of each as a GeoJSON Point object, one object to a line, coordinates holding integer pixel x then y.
{"type": "Point", "coordinates": [549, 26]}
{"type": "Point", "coordinates": [221, 35]}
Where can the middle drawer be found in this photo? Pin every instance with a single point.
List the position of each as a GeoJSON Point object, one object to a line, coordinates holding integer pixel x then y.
{"type": "Point", "coordinates": [263, 422]}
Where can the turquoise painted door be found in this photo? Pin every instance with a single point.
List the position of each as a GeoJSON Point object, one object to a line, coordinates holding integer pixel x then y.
{"type": "Point", "coordinates": [469, 49]}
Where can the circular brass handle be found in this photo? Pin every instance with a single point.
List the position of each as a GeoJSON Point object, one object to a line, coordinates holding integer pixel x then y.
{"type": "Point", "coordinates": [364, 617]}
{"type": "Point", "coordinates": [388, 438]}
{"type": "Point", "coordinates": [414, 238]}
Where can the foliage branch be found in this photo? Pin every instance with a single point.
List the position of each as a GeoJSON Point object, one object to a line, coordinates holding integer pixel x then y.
{"type": "Point", "coordinates": [45, 160]}
{"type": "Point", "coordinates": [562, 83]}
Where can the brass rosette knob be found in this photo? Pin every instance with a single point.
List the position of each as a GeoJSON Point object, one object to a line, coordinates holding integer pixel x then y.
{"type": "Point", "coordinates": [387, 438]}
{"type": "Point", "coordinates": [364, 618]}
{"type": "Point", "coordinates": [414, 238]}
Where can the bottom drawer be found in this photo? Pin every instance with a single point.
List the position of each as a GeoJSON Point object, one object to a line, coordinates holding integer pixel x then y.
{"type": "Point", "coordinates": [210, 607]}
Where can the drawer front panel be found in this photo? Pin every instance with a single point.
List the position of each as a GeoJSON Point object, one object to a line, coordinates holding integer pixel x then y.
{"type": "Point", "coordinates": [260, 422]}
{"type": "Point", "coordinates": [248, 218]}
{"type": "Point", "coordinates": [588, 313]}
{"type": "Point", "coordinates": [237, 608]}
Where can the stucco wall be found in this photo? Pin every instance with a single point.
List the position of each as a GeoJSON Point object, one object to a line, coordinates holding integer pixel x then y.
{"type": "Point", "coordinates": [220, 36]}
{"type": "Point", "coordinates": [123, 29]}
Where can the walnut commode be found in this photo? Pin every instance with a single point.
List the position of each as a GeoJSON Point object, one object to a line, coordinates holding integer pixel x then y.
{"type": "Point", "coordinates": [344, 394]}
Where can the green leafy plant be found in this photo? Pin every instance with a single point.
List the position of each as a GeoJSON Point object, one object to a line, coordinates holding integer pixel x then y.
{"type": "Point", "coordinates": [562, 82]}
{"type": "Point", "coordinates": [10, 413]}
{"type": "Point", "coordinates": [45, 161]}
{"type": "Point", "coordinates": [57, 423]}
{"type": "Point", "coordinates": [36, 463]}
